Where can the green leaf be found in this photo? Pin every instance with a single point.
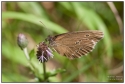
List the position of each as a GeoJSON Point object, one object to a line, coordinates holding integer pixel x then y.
{"type": "Point", "coordinates": [14, 53]}
{"type": "Point", "coordinates": [33, 19]}
{"type": "Point", "coordinates": [33, 8]}
{"type": "Point", "coordinates": [55, 72]}
{"type": "Point", "coordinates": [32, 53]}
{"type": "Point", "coordinates": [13, 77]}
{"type": "Point", "coordinates": [66, 5]}
{"type": "Point", "coordinates": [76, 73]}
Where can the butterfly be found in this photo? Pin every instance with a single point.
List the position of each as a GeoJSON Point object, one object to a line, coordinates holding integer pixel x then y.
{"type": "Point", "coordinates": [75, 44]}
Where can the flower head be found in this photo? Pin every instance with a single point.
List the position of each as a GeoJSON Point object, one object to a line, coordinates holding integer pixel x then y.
{"type": "Point", "coordinates": [22, 41]}
{"type": "Point", "coordinates": [44, 52]}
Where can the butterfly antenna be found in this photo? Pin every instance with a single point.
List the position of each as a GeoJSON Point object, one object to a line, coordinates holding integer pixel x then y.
{"type": "Point", "coordinates": [78, 27]}
{"type": "Point", "coordinates": [47, 29]}
{"type": "Point", "coordinates": [44, 25]}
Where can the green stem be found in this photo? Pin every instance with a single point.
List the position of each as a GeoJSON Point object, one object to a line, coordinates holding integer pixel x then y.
{"type": "Point", "coordinates": [44, 71]}
{"type": "Point", "coordinates": [26, 53]}
{"type": "Point", "coordinates": [28, 58]}
{"type": "Point", "coordinates": [33, 67]}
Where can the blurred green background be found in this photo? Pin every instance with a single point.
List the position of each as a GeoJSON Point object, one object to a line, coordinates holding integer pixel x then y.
{"type": "Point", "coordinates": [104, 64]}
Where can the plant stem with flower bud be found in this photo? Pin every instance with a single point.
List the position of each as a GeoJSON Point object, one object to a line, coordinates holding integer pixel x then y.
{"type": "Point", "coordinates": [28, 58]}
{"type": "Point", "coordinates": [43, 54]}
{"type": "Point", "coordinates": [22, 43]}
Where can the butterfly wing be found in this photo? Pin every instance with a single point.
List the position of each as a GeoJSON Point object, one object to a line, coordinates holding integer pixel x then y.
{"type": "Point", "coordinates": [76, 44]}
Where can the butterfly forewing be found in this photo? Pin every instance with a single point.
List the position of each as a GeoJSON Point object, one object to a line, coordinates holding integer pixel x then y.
{"type": "Point", "coordinates": [76, 44]}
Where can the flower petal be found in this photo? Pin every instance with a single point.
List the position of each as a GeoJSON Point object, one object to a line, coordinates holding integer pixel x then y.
{"type": "Point", "coordinates": [49, 53]}
{"type": "Point", "coordinates": [50, 50]}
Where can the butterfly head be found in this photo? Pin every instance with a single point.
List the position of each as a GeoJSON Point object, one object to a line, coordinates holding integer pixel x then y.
{"type": "Point", "coordinates": [49, 39]}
